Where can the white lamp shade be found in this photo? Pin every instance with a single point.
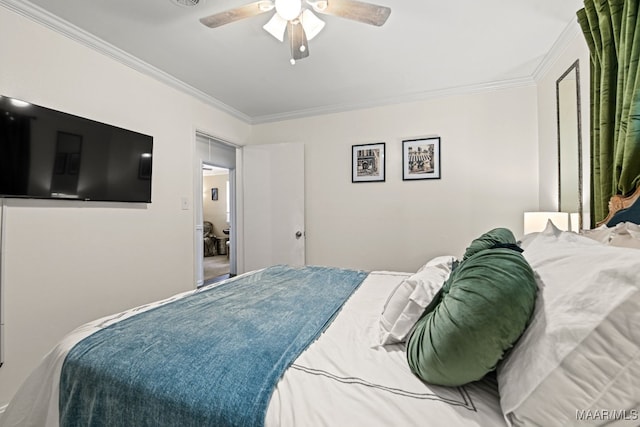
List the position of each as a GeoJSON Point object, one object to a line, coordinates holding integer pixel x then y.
{"type": "Point", "coordinates": [311, 23]}
{"type": "Point", "coordinates": [537, 221]}
{"type": "Point", "coordinates": [276, 27]}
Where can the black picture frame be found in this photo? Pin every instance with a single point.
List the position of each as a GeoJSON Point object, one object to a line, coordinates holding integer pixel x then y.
{"type": "Point", "coordinates": [421, 158]}
{"type": "Point", "coordinates": [368, 163]}
{"type": "Point", "coordinates": [214, 194]}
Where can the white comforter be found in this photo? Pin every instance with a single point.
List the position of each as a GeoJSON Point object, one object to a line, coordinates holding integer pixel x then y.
{"type": "Point", "coordinates": [342, 379]}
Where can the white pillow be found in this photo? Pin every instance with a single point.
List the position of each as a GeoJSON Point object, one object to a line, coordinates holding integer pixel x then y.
{"type": "Point", "coordinates": [444, 260]}
{"type": "Point", "coordinates": [580, 355]}
{"type": "Point", "coordinates": [624, 235]}
{"type": "Point", "coordinates": [408, 300]}
{"type": "Point", "coordinates": [633, 229]}
{"type": "Point", "coordinates": [600, 234]}
{"type": "Point", "coordinates": [627, 235]}
{"type": "Point", "coordinates": [626, 240]}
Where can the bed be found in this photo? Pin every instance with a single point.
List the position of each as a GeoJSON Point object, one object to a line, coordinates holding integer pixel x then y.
{"type": "Point", "coordinates": [577, 362]}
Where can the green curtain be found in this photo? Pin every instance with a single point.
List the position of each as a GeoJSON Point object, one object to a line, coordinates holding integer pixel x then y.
{"type": "Point", "coordinates": [612, 31]}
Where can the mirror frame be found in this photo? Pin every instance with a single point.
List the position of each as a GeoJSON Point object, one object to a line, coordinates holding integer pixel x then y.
{"type": "Point", "coordinates": [575, 66]}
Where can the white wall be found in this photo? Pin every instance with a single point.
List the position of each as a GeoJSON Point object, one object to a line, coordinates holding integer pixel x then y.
{"type": "Point", "coordinates": [66, 262]}
{"type": "Point", "coordinates": [574, 49]}
{"type": "Point", "coordinates": [489, 178]}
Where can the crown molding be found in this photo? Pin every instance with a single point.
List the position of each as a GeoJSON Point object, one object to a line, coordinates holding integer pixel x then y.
{"type": "Point", "coordinates": [570, 32]}
{"type": "Point", "coordinates": [403, 99]}
{"type": "Point", "coordinates": [55, 23]}
{"type": "Point", "coordinates": [59, 25]}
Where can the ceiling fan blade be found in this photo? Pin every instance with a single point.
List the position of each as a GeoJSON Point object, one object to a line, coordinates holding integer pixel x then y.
{"type": "Point", "coordinates": [366, 13]}
{"type": "Point", "coordinates": [276, 27]}
{"type": "Point", "coordinates": [232, 15]}
{"type": "Point", "coordinates": [298, 40]}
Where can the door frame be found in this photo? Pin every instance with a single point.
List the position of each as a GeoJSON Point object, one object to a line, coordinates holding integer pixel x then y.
{"type": "Point", "coordinates": [235, 241]}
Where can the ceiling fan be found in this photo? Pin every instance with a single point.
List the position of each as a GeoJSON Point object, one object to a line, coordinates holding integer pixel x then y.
{"type": "Point", "coordinates": [300, 23]}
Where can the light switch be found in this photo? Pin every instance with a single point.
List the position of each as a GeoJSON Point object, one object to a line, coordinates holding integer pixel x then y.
{"type": "Point", "coordinates": [184, 202]}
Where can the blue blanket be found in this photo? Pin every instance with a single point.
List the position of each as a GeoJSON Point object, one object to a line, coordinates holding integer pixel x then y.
{"type": "Point", "coordinates": [210, 359]}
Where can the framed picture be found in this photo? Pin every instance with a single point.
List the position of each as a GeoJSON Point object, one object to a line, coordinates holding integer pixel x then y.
{"type": "Point", "coordinates": [214, 194]}
{"type": "Point", "coordinates": [367, 162]}
{"type": "Point", "coordinates": [421, 158]}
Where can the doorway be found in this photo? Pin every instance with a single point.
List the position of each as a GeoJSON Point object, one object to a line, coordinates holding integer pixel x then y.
{"type": "Point", "coordinates": [216, 216]}
{"type": "Point", "coordinates": [215, 209]}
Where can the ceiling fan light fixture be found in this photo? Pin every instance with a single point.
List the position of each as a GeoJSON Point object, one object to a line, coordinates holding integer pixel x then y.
{"type": "Point", "coordinates": [276, 27]}
{"type": "Point", "coordinates": [288, 9]}
{"type": "Point", "coordinates": [311, 23]}
{"type": "Point", "coordinates": [300, 23]}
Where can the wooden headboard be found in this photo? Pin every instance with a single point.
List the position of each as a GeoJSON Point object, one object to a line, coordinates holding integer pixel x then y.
{"type": "Point", "coordinates": [620, 209]}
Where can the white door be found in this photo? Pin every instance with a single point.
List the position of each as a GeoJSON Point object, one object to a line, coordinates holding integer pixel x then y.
{"type": "Point", "coordinates": [273, 181]}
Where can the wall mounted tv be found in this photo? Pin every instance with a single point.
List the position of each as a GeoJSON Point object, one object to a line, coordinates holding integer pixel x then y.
{"type": "Point", "coordinates": [48, 154]}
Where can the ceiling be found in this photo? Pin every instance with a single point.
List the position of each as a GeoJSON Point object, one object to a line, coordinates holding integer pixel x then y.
{"type": "Point", "coordinates": [426, 48]}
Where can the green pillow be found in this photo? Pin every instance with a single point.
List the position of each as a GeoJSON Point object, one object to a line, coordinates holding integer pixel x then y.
{"type": "Point", "coordinates": [482, 310]}
{"type": "Point", "coordinates": [490, 239]}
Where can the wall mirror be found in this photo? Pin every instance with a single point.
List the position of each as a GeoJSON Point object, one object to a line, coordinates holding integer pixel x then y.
{"type": "Point", "coordinates": [569, 142]}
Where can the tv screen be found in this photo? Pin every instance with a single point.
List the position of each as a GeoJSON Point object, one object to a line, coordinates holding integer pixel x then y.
{"type": "Point", "coordinates": [49, 154]}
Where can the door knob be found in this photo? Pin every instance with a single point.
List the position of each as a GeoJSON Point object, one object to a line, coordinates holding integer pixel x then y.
{"type": "Point", "coordinates": [298, 234]}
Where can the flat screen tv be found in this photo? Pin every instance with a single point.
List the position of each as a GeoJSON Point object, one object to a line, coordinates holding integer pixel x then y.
{"type": "Point", "coordinates": [48, 154]}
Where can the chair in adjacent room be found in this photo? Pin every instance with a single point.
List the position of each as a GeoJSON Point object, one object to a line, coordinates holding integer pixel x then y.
{"type": "Point", "coordinates": [210, 239]}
